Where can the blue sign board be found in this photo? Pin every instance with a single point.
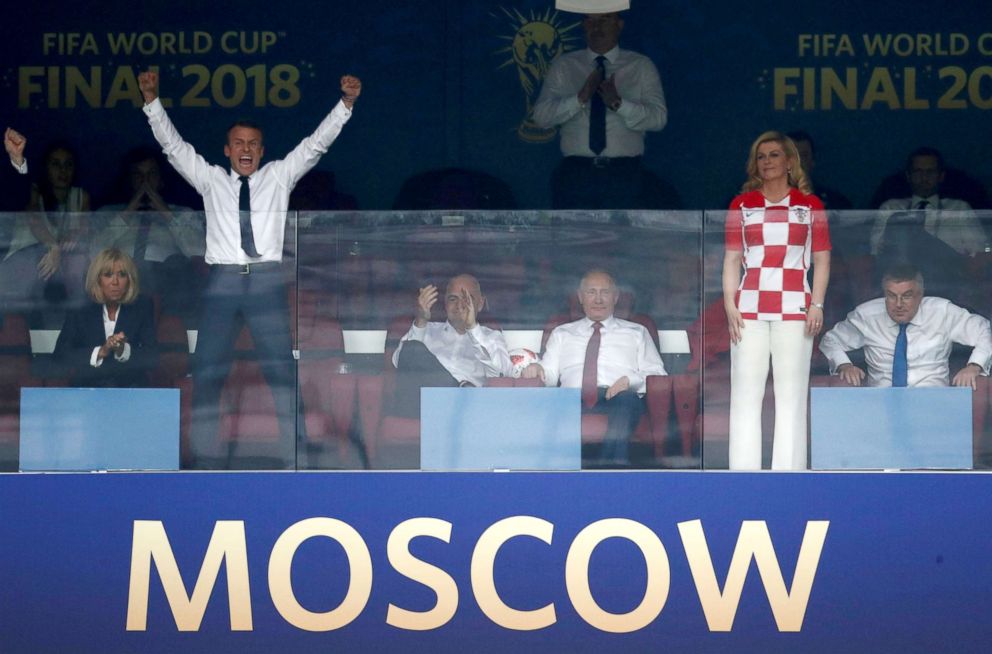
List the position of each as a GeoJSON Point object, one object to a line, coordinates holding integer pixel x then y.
{"type": "Point", "coordinates": [898, 428]}
{"type": "Point", "coordinates": [495, 562]}
{"type": "Point", "coordinates": [500, 428]}
{"type": "Point", "coordinates": [70, 429]}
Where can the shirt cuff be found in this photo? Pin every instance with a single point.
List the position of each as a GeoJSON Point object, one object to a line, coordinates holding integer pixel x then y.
{"type": "Point", "coordinates": [340, 108]}
{"type": "Point", "coordinates": [153, 108]}
{"type": "Point", "coordinates": [416, 333]}
{"type": "Point", "coordinates": [95, 360]}
{"type": "Point", "coordinates": [125, 354]}
{"type": "Point", "coordinates": [834, 365]}
{"type": "Point", "coordinates": [23, 168]}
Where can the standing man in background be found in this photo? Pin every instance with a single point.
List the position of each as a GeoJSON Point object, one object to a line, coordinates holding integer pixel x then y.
{"type": "Point", "coordinates": [604, 99]}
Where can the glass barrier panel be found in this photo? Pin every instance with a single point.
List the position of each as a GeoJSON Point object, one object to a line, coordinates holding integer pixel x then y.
{"type": "Point", "coordinates": [928, 268]}
{"type": "Point", "coordinates": [360, 278]}
{"type": "Point", "coordinates": [69, 280]}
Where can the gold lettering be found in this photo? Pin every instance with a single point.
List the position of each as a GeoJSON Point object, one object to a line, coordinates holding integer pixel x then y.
{"type": "Point", "coordinates": [77, 84]}
{"type": "Point", "coordinates": [227, 544]}
{"type": "Point", "coordinates": [846, 91]}
{"type": "Point", "coordinates": [281, 582]}
{"type": "Point", "coordinates": [577, 575]}
{"type": "Point", "coordinates": [26, 84]}
{"type": "Point", "coordinates": [880, 89]}
{"type": "Point", "coordinates": [398, 551]}
{"type": "Point", "coordinates": [784, 86]}
{"type": "Point", "coordinates": [484, 584]}
{"type": "Point", "coordinates": [124, 88]}
{"type": "Point", "coordinates": [720, 608]}
{"type": "Point", "coordinates": [910, 101]}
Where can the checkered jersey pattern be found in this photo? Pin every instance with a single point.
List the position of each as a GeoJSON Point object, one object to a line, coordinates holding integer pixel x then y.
{"type": "Point", "coordinates": [777, 240]}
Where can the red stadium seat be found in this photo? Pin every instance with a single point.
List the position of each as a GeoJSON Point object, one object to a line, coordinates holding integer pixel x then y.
{"type": "Point", "coordinates": [15, 373]}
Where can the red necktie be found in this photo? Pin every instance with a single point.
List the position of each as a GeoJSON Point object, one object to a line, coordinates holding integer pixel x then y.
{"type": "Point", "coordinates": [589, 370]}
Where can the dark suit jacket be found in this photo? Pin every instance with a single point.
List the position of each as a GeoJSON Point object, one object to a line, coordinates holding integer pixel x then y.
{"type": "Point", "coordinates": [83, 331]}
{"type": "Point", "coordinates": [15, 188]}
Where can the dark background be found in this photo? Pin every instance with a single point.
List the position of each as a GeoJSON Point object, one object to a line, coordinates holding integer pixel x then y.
{"type": "Point", "coordinates": [436, 92]}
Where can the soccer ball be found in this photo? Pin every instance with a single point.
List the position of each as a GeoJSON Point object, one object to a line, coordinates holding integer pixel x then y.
{"type": "Point", "coordinates": [520, 358]}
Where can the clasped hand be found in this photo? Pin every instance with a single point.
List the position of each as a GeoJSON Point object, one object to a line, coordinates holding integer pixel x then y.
{"type": "Point", "coordinates": [115, 343]}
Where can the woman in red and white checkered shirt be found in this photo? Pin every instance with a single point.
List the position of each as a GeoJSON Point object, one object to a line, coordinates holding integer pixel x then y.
{"type": "Point", "coordinates": [775, 229]}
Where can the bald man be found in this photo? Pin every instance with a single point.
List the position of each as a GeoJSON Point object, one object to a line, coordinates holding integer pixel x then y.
{"type": "Point", "coordinates": [456, 352]}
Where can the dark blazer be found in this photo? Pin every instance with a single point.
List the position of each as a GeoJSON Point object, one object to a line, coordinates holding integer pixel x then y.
{"type": "Point", "coordinates": [83, 331]}
{"type": "Point", "coordinates": [15, 188]}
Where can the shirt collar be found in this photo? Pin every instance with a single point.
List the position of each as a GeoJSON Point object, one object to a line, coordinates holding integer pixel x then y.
{"type": "Point", "coordinates": [934, 200]}
{"type": "Point", "coordinates": [236, 176]}
{"type": "Point", "coordinates": [608, 323]}
{"type": "Point", "coordinates": [916, 320]}
{"type": "Point", "coordinates": [611, 55]}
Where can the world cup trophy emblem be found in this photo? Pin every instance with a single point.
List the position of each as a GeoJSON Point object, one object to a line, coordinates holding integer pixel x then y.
{"type": "Point", "coordinates": [535, 44]}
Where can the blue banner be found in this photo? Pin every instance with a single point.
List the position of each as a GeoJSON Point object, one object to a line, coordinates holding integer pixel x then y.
{"type": "Point", "coordinates": [423, 562]}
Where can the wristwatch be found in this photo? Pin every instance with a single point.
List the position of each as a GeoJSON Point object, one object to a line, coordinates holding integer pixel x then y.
{"type": "Point", "coordinates": [818, 305]}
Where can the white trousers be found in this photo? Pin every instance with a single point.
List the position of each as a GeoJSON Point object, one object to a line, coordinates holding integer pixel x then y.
{"type": "Point", "coordinates": [784, 342]}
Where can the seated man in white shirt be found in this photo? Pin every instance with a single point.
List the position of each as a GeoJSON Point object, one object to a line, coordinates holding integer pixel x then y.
{"type": "Point", "coordinates": [931, 326]}
{"type": "Point", "coordinates": [605, 356]}
{"type": "Point", "coordinates": [948, 219]}
{"type": "Point", "coordinates": [457, 352]}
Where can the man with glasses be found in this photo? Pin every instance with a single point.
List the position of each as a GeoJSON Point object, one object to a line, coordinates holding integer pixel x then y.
{"type": "Point", "coordinates": [907, 337]}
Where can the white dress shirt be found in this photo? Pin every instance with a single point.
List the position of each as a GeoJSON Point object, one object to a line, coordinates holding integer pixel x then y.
{"type": "Point", "coordinates": [948, 219]}
{"type": "Point", "coordinates": [638, 85]}
{"type": "Point", "coordinates": [182, 233]}
{"type": "Point", "coordinates": [937, 325]}
{"type": "Point", "coordinates": [220, 187]}
{"type": "Point", "coordinates": [625, 349]}
{"type": "Point", "coordinates": [478, 353]}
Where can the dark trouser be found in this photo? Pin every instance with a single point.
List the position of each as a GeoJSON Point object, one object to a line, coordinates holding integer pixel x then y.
{"type": "Point", "coordinates": [579, 183]}
{"type": "Point", "coordinates": [174, 280]}
{"type": "Point", "coordinates": [417, 368]}
{"type": "Point", "coordinates": [260, 298]}
{"type": "Point", "coordinates": [623, 412]}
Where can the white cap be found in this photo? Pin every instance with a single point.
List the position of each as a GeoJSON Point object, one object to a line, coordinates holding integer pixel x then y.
{"type": "Point", "coordinates": [592, 6]}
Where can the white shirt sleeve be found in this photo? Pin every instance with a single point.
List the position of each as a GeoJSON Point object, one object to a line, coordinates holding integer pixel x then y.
{"type": "Point", "coordinates": [552, 357]}
{"type": "Point", "coordinates": [490, 346]}
{"type": "Point", "coordinates": [844, 337]}
{"type": "Point", "coordinates": [557, 102]}
{"type": "Point", "coordinates": [183, 157]}
{"type": "Point", "coordinates": [309, 151]}
{"type": "Point", "coordinates": [647, 112]}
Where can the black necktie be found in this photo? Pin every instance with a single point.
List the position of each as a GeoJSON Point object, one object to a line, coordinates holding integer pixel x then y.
{"type": "Point", "coordinates": [141, 237]}
{"type": "Point", "coordinates": [244, 211]}
{"type": "Point", "coordinates": [597, 114]}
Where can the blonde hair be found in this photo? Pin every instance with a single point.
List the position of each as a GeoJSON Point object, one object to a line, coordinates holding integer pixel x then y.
{"type": "Point", "coordinates": [797, 176]}
{"type": "Point", "coordinates": [104, 263]}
